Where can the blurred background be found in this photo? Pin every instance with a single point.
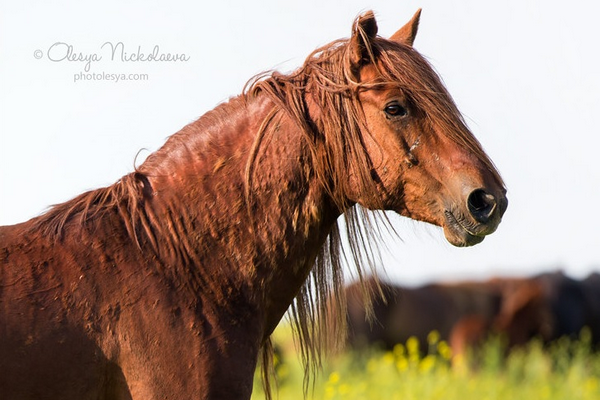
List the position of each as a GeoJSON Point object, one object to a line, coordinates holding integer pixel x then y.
{"type": "Point", "coordinates": [524, 73]}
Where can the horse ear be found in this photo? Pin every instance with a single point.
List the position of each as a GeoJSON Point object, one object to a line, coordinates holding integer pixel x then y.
{"type": "Point", "coordinates": [406, 34]}
{"type": "Point", "coordinates": [363, 32]}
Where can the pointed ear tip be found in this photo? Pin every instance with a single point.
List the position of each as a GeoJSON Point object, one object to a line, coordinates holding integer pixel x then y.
{"type": "Point", "coordinates": [417, 15]}
{"type": "Point", "coordinates": [367, 21]}
{"type": "Point", "coordinates": [369, 14]}
{"type": "Point", "coordinates": [368, 17]}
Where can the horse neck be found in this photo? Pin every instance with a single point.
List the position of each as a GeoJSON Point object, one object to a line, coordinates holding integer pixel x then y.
{"type": "Point", "coordinates": [249, 215]}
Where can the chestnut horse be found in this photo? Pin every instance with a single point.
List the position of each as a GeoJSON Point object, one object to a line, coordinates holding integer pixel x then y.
{"type": "Point", "coordinates": [167, 284]}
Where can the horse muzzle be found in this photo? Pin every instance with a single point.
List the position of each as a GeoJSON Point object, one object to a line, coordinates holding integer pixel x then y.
{"type": "Point", "coordinates": [469, 222]}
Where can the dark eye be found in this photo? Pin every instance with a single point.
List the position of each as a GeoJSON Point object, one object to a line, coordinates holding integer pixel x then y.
{"type": "Point", "coordinates": [396, 110]}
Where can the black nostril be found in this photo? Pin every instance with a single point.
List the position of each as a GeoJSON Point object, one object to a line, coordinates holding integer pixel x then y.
{"type": "Point", "coordinates": [481, 205]}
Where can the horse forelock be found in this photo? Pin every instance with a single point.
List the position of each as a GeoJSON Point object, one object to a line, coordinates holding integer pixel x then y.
{"type": "Point", "coordinates": [404, 67]}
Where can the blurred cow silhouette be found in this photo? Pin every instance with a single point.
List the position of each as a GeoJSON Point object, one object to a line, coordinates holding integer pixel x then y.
{"type": "Point", "coordinates": [547, 306]}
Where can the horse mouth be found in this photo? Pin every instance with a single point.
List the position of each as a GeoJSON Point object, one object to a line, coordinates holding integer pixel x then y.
{"type": "Point", "coordinates": [458, 232]}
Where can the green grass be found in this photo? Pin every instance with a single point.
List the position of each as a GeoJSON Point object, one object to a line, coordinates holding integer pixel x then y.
{"type": "Point", "coordinates": [566, 370]}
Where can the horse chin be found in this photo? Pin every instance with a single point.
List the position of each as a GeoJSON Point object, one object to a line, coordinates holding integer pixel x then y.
{"type": "Point", "coordinates": [457, 235]}
{"type": "Point", "coordinates": [461, 238]}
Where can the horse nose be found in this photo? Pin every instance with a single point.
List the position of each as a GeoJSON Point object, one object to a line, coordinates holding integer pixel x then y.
{"type": "Point", "coordinates": [482, 205]}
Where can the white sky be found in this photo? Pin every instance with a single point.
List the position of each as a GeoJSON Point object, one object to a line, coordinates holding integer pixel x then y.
{"type": "Point", "coordinates": [525, 74]}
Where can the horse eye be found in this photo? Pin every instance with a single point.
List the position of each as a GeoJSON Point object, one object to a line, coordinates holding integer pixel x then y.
{"type": "Point", "coordinates": [396, 110]}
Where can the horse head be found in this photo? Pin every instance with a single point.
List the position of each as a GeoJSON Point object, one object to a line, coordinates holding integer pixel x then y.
{"type": "Point", "coordinates": [424, 161]}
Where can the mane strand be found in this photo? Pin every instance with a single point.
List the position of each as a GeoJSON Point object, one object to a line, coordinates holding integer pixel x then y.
{"type": "Point", "coordinates": [335, 147]}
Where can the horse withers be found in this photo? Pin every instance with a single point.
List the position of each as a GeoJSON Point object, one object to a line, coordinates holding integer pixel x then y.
{"type": "Point", "coordinates": [168, 283]}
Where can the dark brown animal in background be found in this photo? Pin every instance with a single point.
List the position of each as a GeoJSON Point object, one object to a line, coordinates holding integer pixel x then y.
{"type": "Point", "coordinates": [416, 312]}
{"type": "Point", "coordinates": [524, 314]}
{"type": "Point", "coordinates": [548, 307]}
{"type": "Point", "coordinates": [466, 314]}
{"type": "Point", "coordinates": [167, 284]}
